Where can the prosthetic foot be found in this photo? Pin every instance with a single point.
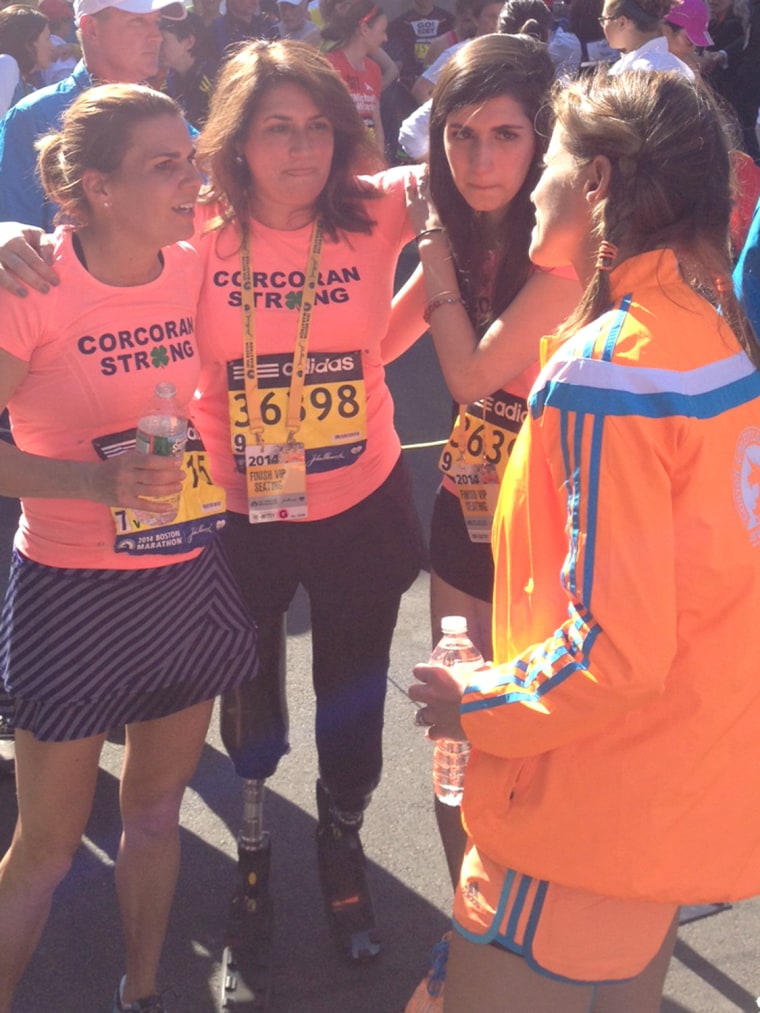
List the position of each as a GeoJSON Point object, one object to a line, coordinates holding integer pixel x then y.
{"type": "Point", "coordinates": [254, 728]}
{"type": "Point", "coordinates": [247, 959]}
{"type": "Point", "coordinates": [343, 875]}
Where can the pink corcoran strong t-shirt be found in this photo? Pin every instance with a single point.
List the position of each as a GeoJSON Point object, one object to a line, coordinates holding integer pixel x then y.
{"type": "Point", "coordinates": [349, 321]}
{"type": "Point", "coordinates": [95, 354]}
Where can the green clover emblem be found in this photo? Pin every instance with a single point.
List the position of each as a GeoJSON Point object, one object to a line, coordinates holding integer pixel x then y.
{"type": "Point", "coordinates": [293, 300]}
{"type": "Point", "coordinates": [159, 356]}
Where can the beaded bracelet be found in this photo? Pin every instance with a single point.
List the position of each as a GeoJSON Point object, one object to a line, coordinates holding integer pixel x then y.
{"type": "Point", "coordinates": [429, 232]}
{"type": "Point", "coordinates": [445, 299]}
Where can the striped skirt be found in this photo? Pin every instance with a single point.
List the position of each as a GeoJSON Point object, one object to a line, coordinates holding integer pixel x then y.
{"type": "Point", "coordinates": [83, 651]}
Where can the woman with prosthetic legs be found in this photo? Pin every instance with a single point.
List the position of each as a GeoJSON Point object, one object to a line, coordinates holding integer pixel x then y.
{"type": "Point", "coordinates": [300, 255]}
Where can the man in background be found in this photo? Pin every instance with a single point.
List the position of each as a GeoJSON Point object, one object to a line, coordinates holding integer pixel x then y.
{"type": "Point", "coordinates": [120, 42]}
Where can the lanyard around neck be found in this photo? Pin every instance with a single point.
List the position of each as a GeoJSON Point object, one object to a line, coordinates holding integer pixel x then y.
{"type": "Point", "coordinates": [256, 422]}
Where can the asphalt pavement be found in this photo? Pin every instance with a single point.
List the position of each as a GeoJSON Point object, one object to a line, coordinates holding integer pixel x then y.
{"type": "Point", "coordinates": [78, 962]}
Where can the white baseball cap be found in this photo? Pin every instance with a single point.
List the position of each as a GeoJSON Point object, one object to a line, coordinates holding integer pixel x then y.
{"type": "Point", "coordinates": [172, 10]}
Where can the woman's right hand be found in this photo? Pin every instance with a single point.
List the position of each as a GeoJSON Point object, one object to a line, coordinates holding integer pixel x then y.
{"type": "Point", "coordinates": [26, 254]}
{"type": "Point", "coordinates": [135, 480]}
{"type": "Point", "coordinates": [439, 690]}
{"type": "Point", "coordinates": [420, 210]}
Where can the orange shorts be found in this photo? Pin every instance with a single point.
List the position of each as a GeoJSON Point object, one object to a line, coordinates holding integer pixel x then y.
{"type": "Point", "coordinates": [569, 934]}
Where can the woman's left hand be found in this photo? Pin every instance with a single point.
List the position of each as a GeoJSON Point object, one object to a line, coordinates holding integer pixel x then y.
{"type": "Point", "coordinates": [440, 691]}
{"type": "Point", "coordinates": [420, 209]}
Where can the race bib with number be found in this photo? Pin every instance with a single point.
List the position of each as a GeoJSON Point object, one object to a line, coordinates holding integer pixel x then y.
{"type": "Point", "coordinates": [333, 418]}
{"type": "Point", "coordinates": [424, 31]}
{"type": "Point", "coordinates": [200, 514]}
{"type": "Point", "coordinates": [476, 454]}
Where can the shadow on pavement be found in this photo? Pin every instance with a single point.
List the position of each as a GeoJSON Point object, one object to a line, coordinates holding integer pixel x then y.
{"type": "Point", "coordinates": [731, 990]}
{"type": "Point", "coordinates": [79, 962]}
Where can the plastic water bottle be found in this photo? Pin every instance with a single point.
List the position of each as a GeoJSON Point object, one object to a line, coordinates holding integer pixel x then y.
{"type": "Point", "coordinates": [162, 430]}
{"type": "Point", "coordinates": [454, 650]}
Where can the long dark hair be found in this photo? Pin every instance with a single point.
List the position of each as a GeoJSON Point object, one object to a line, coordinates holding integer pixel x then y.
{"type": "Point", "coordinates": [486, 68]}
{"type": "Point", "coordinates": [671, 181]}
{"type": "Point", "coordinates": [526, 17]}
{"type": "Point", "coordinates": [20, 27]}
{"type": "Point", "coordinates": [243, 81]}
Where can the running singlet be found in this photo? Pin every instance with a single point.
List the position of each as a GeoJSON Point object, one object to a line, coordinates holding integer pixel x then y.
{"type": "Point", "coordinates": [364, 85]}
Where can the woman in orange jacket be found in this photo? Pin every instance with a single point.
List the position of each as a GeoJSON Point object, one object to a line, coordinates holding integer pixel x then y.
{"type": "Point", "coordinates": [602, 791]}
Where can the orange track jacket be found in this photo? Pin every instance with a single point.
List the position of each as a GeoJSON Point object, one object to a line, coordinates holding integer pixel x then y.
{"type": "Point", "coordinates": [617, 740]}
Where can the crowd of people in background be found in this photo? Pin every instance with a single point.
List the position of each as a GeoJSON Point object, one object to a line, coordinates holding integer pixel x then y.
{"type": "Point", "coordinates": [718, 40]}
{"type": "Point", "coordinates": [577, 182]}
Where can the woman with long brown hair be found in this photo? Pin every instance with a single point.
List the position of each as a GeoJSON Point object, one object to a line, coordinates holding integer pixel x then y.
{"type": "Point", "coordinates": [300, 257]}
{"type": "Point", "coordinates": [25, 47]}
{"type": "Point", "coordinates": [488, 308]}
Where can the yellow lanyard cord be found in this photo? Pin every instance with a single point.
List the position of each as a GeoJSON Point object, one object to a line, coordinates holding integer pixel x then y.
{"type": "Point", "coordinates": [300, 352]}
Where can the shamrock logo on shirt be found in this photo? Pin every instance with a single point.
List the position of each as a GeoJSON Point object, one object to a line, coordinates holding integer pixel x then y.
{"type": "Point", "coordinates": [159, 356]}
{"type": "Point", "coordinates": [293, 300]}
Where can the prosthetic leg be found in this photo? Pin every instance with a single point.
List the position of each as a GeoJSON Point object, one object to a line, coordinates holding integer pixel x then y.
{"type": "Point", "coordinates": [343, 876]}
{"type": "Point", "coordinates": [254, 729]}
{"type": "Point", "coordinates": [247, 959]}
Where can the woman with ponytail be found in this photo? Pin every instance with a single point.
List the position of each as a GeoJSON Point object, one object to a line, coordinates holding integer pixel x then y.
{"type": "Point", "coordinates": [88, 570]}
{"type": "Point", "coordinates": [358, 34]}
{"type": "Point", "coordinates": [623, 703]}
{"type": "Point", "coordinates": [634, 27]}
